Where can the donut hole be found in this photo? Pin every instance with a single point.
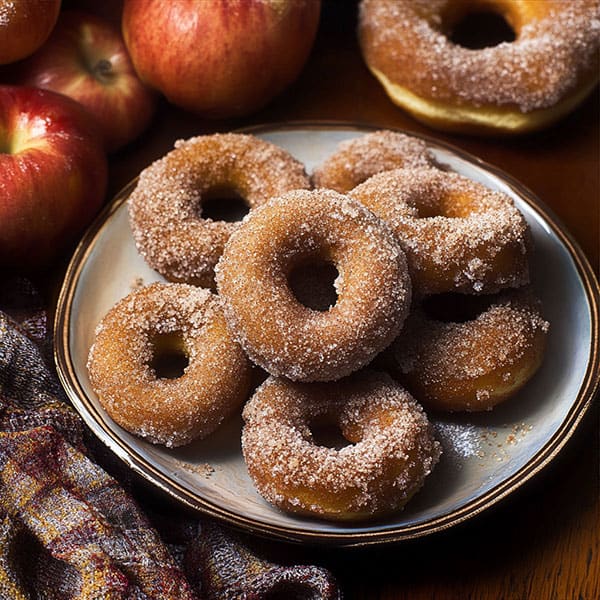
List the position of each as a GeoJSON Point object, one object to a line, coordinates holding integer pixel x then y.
{"type": "Point", "coordinates": [327, 433]}
{"type": "Point", "coordinates": [449, 204]}
{"type": "Point", "coordinates": [455, 308]}
{"type": "Point", "coordinates": [428, 211]}
{"type": "Point", "coordinates": [223, 204]}
{"type": "Point", "coordinates": [169, 357]}
{"type": "Point", "coordinates": [481, 29]}
{"type": "Point", "coordinates": [312, 282]}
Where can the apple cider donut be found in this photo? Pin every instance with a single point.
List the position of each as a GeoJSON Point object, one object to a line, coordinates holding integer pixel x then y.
{"type": "Point", "coordinates": [473, 364]}
{"type": "Point", "coordinates": [357, 159]}
{"type": "Point", "coordinates": [457, 234]}
{"type": "Point", "coordinates": [168, 318]}
{"type": "Point", "coordinates": [391, 450]}
{"type": "Point", "coordinates": [276, 330]}
{"type": "Point", "coordinates": [166, 207]}
{"type": "Point", "coordinates": [542, 70]}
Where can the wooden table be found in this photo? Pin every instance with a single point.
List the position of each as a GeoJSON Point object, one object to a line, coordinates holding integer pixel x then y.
{"type": "Point", "coordinates": [543, 542]}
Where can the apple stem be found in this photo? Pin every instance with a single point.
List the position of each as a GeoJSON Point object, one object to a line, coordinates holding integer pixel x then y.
{"type": "Point", "coordinates": [103, 69]}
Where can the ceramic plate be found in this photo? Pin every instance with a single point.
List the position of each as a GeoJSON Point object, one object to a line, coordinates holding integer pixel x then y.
{"type": "Point", "coordinates": [486, 456]}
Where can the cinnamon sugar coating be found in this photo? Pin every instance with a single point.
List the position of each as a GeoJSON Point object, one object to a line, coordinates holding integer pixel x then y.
{"type": "Point", "coordinates": [457, 234]}
{"type": "Point", "coordinates": [476, 364]}
{"type": "Point", "coordinates": [355, 160]}
{"type": "Point", "coordinates": [276, 330]}
{"type": "Point", "coordinates": [555, 50]}
{"type": "Point", "coordinates": [391, 451]}
{"type": "Point", "coordinates": [513, 87]}
{"type": "Point", "coordinates": [165, 209]}
{"type": "Point", "coordinates": [169, 411]}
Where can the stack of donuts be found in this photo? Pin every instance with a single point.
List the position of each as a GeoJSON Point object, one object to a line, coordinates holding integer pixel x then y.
{"type": "Point", "coordinates": [335, 289]}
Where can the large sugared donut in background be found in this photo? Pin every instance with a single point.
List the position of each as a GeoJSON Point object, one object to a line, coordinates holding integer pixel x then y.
{"type": "Point", "coordinates": [357, 159]}
{"type": "Point", "coordinates": [391, 453]}
{"type": "Point", "coordinates": [277, 331]}
{"type": "Point", "coordinates": [513, 87]}
{"type": "Point", "coordinates": [165, 209]}
{"type": "Point", "coordinates": [177, 318]}
{"type": "Point", "coordinates": [476, 364]}
{"type": "Point", "coordinates": [457, 234]}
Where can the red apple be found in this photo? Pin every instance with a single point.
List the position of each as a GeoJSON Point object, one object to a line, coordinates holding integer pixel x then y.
{"type": "Point", "coordinates": [52, 174]}
{"type": "Point", "coordinates": [221, 58]}
{"type": "Point", "coordinates": [24, 27]}
{"type": "Point", "coordinates": [85, 58]}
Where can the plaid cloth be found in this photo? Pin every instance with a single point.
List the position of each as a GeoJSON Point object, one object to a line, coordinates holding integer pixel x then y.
{"type": "Point", "coordinates": [69, 530]}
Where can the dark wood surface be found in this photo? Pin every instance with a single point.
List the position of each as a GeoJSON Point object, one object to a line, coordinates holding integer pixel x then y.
{"type": "Point", "coordinates": [543, 541]}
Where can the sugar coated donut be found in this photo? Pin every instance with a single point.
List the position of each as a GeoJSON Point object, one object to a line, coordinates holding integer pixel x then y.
{"type": "Point", "coordinates": [168, 318]}
{"type": "Point", "coordinates": [166, 207]}
{"type": "Point", "coordinates": [357, 159]}
{"type": "Point", "coordinates": [475, 364]}
{"type": "Point", "coordinates": [512, 87]}
{"type": "Point", "coordinates": [277, 331]}
{"type": "Point", "coordinates": [391, 451]}
{"type": "Point", "coordinates": [457, 234]}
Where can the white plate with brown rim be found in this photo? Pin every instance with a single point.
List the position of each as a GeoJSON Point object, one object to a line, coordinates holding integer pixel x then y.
{"type": "Point", "coordinates": [486, 456]}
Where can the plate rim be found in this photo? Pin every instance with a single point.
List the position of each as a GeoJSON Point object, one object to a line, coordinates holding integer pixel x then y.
{"type": "Point", "coordinates": [541, 459]}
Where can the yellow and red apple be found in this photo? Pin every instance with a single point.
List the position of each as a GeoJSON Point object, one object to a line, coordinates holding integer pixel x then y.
{"type": "Point", "coordinates": [53, 174]}
{"type": "Point", "coordinates": [221, 58]}
{"type": "Point", "coordinates": [85, 58]}
{"type": "Point", "coordinates": [24, 27]}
